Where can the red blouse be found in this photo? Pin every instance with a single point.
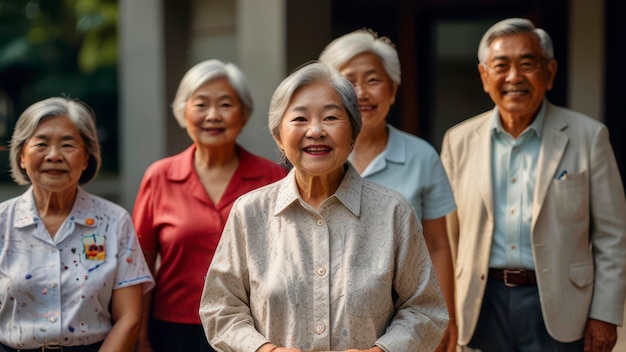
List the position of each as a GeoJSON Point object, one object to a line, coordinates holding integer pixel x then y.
{"type": "Point", "coordinates": [175, 218]}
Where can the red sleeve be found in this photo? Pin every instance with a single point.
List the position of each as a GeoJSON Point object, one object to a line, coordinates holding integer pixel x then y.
{"type": "Point", "coordinates": [143, 213]}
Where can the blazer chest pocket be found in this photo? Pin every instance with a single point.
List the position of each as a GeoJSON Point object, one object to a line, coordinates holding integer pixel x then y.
{"type": "Point", "coordinates": [571, 194]}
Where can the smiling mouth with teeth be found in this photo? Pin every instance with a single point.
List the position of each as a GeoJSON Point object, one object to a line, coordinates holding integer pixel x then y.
{"type": "Point", "coordinates": [316, 149]}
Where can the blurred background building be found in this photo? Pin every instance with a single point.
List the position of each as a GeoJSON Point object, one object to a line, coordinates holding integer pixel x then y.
{"type": "Point", "coordinates": [126, 57]}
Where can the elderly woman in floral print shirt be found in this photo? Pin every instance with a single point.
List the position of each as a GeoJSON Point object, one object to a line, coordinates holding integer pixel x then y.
{"type": "Point", "coordinates": [72, 273]}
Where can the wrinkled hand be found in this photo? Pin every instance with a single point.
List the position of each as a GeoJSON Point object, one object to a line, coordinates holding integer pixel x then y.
{"type": "Point", "coordinates": [600, 336]}
{"type": "Point", "coordinates": [449, 339]}
{"type": "Point", "coordinates": [143, 345]}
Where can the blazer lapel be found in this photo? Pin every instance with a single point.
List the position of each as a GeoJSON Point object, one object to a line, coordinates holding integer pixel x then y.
{"type": "Point", "coordinates": [553, 144]}
{"type": "Point", "coordinates": [482, 155]}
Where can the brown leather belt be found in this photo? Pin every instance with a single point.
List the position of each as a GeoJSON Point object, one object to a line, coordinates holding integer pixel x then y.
{"type": "Point", "coordinates": [514, 277]}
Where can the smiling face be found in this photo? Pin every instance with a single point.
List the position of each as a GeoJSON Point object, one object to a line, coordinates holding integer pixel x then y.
{"type": "Point", "coordinates": [55, 156]}
{"type": "Point", "coordinates": [375, 90]}
{"type": "Point", "coordinates": [214, 115]}
{"type": "Point", "coordinates": [516, 76]}
{"type": "Point", "coordinates": [315, 131]}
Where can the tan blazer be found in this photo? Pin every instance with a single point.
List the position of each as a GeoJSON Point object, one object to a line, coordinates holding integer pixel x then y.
{"type": "Point", "coordinates": [578, 226]}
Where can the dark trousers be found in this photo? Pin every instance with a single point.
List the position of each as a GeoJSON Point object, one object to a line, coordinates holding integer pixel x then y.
{"type": "Point", "coordinates": [174, 337]}
{"type": "Point", "coordinates": [510, 320]}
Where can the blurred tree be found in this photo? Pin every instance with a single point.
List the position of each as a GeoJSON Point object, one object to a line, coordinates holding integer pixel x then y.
{"type": "Point", "coordinates": [60, 47]}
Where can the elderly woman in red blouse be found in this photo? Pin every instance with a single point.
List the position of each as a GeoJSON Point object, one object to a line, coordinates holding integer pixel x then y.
{"type": "Point", "coordinates": [184, 200]}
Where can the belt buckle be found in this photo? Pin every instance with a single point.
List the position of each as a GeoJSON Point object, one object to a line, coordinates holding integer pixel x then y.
{"type": "Point", "coordinates": [55, 347]}
{"type": "Point", "coordinates": [506, 273]}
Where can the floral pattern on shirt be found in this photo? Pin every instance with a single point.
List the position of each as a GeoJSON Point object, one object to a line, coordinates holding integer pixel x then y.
{"type": "Point", "coordinates": [58, 289]}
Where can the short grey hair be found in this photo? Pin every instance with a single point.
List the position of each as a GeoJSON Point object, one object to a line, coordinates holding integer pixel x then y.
{"type": "Point", "coordinates": [78, 112]}
{"type": "Point", "coordinates": [512, 26]}
{"type": "Point", "coordinates": [306, 75]}
{"type": "Point", "coordinates": [341, 50]}
{"type": "Point", "coordinates": [207, 71]}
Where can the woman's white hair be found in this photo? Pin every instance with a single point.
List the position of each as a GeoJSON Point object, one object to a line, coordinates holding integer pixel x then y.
{"type": "Point", "coordinates": [307, 75]}
{"type": "Point", "coordinates": [207, 71]}
{"type": "Point", "coordinates": [341, 50]}
{"type": "Point", "coordinates": [78, 112]}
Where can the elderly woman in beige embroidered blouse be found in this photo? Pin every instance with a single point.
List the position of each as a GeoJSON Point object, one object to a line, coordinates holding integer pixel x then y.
{"type": "Point", "coordinates": [323, 259]}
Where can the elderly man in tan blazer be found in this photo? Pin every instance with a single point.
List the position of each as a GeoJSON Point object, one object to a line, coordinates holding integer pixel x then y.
{"type": "Point", "coordinates": [540, 228]}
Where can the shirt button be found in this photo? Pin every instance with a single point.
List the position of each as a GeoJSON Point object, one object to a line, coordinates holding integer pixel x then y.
{"type": "Point", "coordinates": [320, 222]}
{"type": "Point", "coordinates": [52, 319]}
{"type": "Point", "coordinates": [513, 247]}
{"type": "Point", "coordinates": [320, 328]}
{"type": "Point", "coordinates": [321, 271]}
{"type": "Point", "coordinates": [514, 180]}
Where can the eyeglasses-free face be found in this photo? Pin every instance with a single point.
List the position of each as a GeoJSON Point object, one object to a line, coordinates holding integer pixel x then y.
{"type": "Point", "coordinates": [215, 115]}
{"type": "Point", "coordinates": [316, 132]}
{"type": "Point", "coordinates": [55, 156]}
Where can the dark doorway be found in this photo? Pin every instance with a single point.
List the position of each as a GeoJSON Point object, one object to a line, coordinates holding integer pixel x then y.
{"type": "Point", "coordinates": [437, 43]}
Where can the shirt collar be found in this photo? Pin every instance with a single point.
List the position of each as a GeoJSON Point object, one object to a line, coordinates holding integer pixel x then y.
{"type": "Point", "coordinates": [348, 192]}
{"type": "Point", "coordinates": [82, 212]}
{"type": "Point", "coordinates": [536, 125]}
{"type": "Point", "coordinates": [247, 168]}
{"type": "Point", "coordinates": [396, 150]}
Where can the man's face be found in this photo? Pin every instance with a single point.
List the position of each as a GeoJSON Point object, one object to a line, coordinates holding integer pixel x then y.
{"type": "Point", "coordinates": [516, 75]}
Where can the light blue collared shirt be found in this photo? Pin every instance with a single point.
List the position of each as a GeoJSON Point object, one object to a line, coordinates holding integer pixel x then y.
{"type": "Point", "coordinates": [514, 174]}
{"type": "Point", "coordinates": [411, 166]}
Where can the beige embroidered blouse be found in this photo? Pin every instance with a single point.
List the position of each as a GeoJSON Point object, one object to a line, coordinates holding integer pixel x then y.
{"type": "Point", "coordinates": [353, 275]}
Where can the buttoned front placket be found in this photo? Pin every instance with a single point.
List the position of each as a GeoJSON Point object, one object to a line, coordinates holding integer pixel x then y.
{"type": "Point", "coordinates": [321, 285]}
{"type": "Point", "coordinates": [47, 287]}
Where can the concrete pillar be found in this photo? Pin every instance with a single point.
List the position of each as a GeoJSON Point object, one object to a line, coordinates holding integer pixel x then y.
{"type": "Point", "coordinates": [142, 92]}
{"type": "Point", "coordinates": [261, 53]}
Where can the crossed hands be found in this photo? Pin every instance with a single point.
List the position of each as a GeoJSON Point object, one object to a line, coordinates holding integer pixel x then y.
{"type": "Point", "coordinates": [273, 348]}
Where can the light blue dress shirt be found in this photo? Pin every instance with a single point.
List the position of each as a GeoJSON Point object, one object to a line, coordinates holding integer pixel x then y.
{"type": "Point", "coordinates": [411, 166]}
{"type": "Point", "coordinates": [514, 173]}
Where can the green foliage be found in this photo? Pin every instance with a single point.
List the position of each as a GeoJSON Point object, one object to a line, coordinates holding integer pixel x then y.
{"type": "Point", "coordinates": [59, 47]}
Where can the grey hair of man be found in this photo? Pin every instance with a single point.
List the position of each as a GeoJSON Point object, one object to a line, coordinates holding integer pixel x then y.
{"type": "Point", "coordinates": [78, 112]}
{"type": "Point", "coordinates": [341, 50]}
{"type": "Point", "coordinates": [304, 76]}
{"type": "Point", "coordinates": [207, 71]}
{"type": "Point", "coordinates": [513, 26]}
